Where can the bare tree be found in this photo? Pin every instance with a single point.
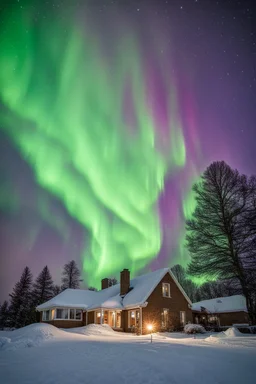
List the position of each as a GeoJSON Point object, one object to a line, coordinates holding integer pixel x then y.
{"type": "Point", "coordinates": [56, 290]}
{"type": "Point", "coordinates": [189, 287]}
{"type": "Point", "coordinates": [70, 276]}
{"type": "Point", "coordinates": [112, 281]}
{"type": "Point", "coordinates": [218, 236]}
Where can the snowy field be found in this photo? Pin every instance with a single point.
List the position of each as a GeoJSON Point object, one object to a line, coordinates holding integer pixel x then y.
{"type": "Point", "coordinates": [41, 353]}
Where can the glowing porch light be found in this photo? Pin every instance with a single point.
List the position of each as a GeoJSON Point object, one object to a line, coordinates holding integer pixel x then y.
{"type": "Point", "coordinates": [150, 328]}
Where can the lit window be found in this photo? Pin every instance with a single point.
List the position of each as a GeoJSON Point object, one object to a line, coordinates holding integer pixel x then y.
{"type": "Point", "coordinates": [165, 318]}
{"type": "Point", "coordinates": [166, 290]}
{"type": "Point", "coordinates": [182, 317]}
{"type": "Point", "coordinates": [213, 319]}
{"type": "Point", "coordinates": [118, 319]}
{"type": "Point", "coordinates": [133, 318]}
{"type": "Point", "coordinates": [98, 318]}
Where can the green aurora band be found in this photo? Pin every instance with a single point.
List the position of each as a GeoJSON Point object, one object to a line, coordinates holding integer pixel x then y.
{"type": "Point", "coordinates": [63, 110]}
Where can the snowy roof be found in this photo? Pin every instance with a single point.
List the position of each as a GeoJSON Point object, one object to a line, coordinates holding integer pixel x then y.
{"type": "Point", "coordinates": [71, 298]}
{"type": "Point", "coordinates": [234, 303]}
{"type": "Point", "coordinates": [141, 287]}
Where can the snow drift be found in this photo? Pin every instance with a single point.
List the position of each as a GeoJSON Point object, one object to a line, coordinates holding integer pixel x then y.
{"type": "Point", "coordinates": [30, 336]}
{"type": "Point", "coordinates": [93, 330]}
{"type": "Point", "coordinates": [230, 333]}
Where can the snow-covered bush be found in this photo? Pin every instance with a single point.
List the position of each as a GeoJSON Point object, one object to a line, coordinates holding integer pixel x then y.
{"type": "Point", "coordinates": [194, 328]}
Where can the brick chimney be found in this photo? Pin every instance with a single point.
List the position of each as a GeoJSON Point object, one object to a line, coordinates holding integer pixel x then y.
{"type": "Point", "coordinates": [104, 283]}
{"type": "Point", "coordinates": [124, 281]}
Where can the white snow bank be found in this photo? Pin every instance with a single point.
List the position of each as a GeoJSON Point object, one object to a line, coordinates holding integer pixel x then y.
{"type": "Point", "coordinates": [230, 332]}
{"type": "Point", "coordinates": [232, 336]}
{"type": "Point", "coordinates": [30, 336]}
{"type": "Point", "coordinates": [233, 332]}
{"type": "Point", "coordinates": [93, 330]}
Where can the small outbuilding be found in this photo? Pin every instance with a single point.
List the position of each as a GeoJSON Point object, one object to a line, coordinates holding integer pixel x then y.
{"type": "Point", "coordinates": [221, 311]}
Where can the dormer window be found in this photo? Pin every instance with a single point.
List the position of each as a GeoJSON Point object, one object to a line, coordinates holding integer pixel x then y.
{"type": "Point", "coordinates": [166, 290]}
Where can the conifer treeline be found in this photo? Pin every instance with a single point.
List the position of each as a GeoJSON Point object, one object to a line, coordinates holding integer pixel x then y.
{"type": "Point", "coordinates": [27, 295]}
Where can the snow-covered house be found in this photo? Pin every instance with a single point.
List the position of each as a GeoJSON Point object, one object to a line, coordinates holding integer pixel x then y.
{"type": "Point", "coordinates": [222, 311]}
{"type": "Point", "coordinates": [155, 299]}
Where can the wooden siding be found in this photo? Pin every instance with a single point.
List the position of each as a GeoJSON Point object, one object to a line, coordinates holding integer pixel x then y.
{"type": "Point", "coordinates": [224, 319]}
{"type": "Point", "coordinates": [91, 317]}
{"type": "Point", "coordinates": [151, 314]}
{"type": "Point", "coordinates": [65, 323]}
{"type": "Point", "coordinates": [230, 318]}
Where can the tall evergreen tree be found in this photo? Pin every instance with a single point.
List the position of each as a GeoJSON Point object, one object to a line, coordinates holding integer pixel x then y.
{"type": "Point", "coordinates": [70, 276]}
{"type": "Point", "coordinates": [4, 315]}
{"type": "Point", "coordinates": [20, 303]}
{"type": "Point", "coordinates": [43, 287]}
{"type": "Point", "coordinates": [42, 292]}
{"type": "Point", "coordinates": [218, 239]}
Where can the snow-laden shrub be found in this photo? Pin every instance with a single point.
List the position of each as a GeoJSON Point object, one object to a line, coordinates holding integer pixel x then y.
{"type": "Point", "coordinates": [194, 328]}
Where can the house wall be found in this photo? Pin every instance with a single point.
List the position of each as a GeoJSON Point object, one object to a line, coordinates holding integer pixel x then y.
{"type": "Point", "coordinates": [91, 317]}
{"type": "Point", "coordinates": [65, 323]}
{"type": "Point", "coordinates": [225, 319]}
{"type": "Point", "coordinates": [151, 314]}
{"type": "Point", "coordinates": [233, 318]}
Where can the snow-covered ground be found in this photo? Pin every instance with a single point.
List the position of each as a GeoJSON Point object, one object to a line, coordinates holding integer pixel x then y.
{"type": "Point", "coordinates": [41, 353]}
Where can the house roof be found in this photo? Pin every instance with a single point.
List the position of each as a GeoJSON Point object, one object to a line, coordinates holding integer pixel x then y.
{"type": "Point", "coordinates": [71, 298]}
{"type": "Point", "coordinates": [236, 303]}
{"type": "Point", "coordinates": [141, 288]}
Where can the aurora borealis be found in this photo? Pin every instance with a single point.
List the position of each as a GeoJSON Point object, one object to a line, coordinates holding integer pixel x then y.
{"type": "Point", "coordinates": [105, 123]}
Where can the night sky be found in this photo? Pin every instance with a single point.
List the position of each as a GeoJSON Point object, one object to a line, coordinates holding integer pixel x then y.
{"type": "Point", "coordinates": [109, 111]}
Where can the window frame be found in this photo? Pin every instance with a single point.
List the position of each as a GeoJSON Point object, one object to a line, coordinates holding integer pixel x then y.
{"type": "Point", "coordinates": [165, 322]}
{"type": "Point", "coordinates": [169, 290]}
{"type": "Point", "coordinates": [44, 315]}
{"type": "Point", "coordinates": [117, 317]}
{"type": "Point", "coordinates": [185, 318]}
{"type": "Point", "coordinates": [61, 318]}
{"type": "Point", "coordinates": [137, 319]}
{"type": "Point", "coordinates": [81, 314]}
